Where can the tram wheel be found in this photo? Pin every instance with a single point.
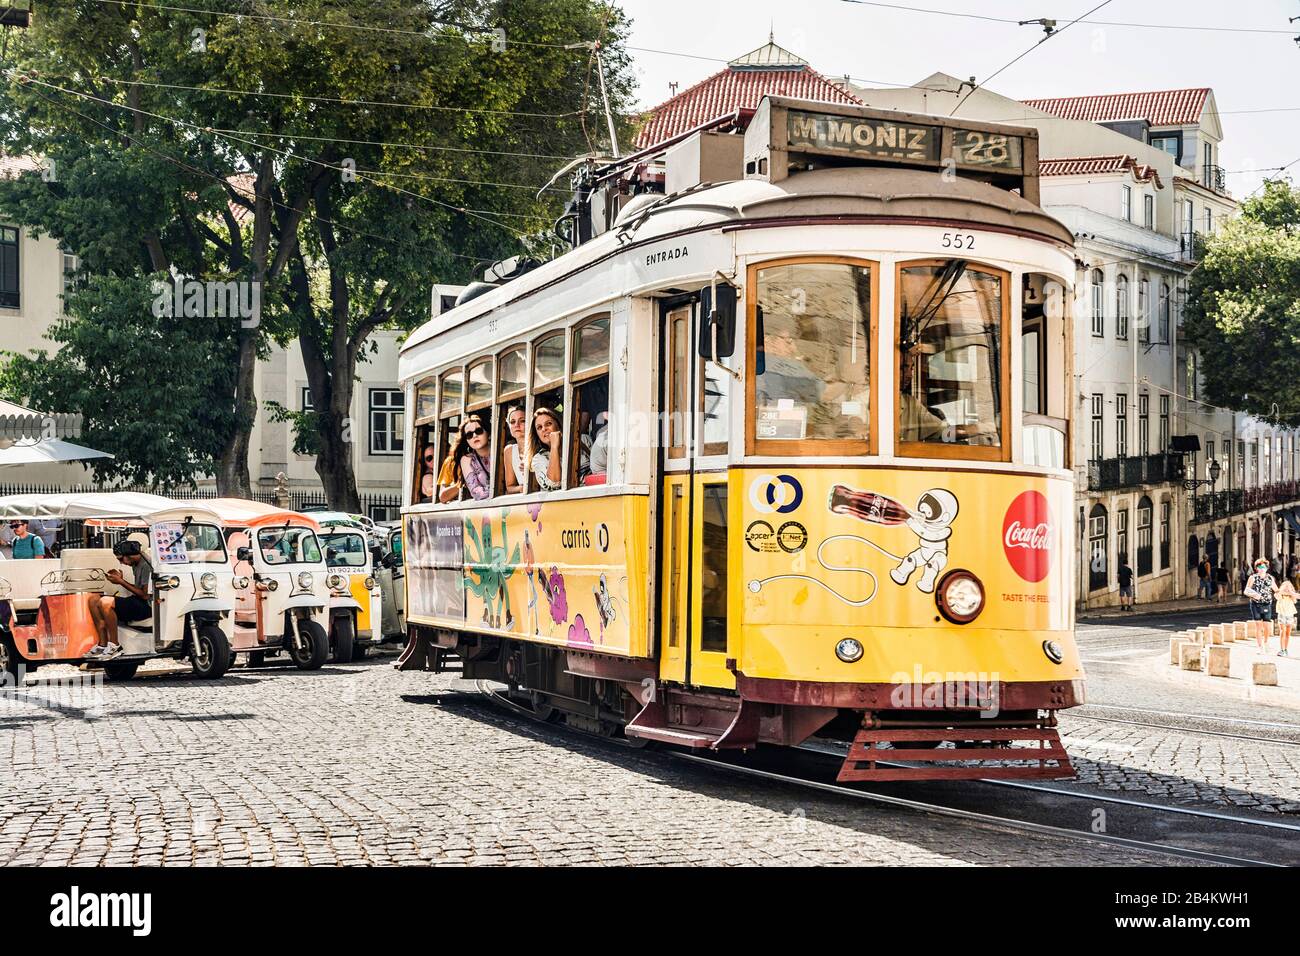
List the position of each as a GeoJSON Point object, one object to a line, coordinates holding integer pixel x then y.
{"type": "Point", "coordinates": [213, 658]}
{"type": "Point", "coordinates": [344, 634]}
{"type": "Point", "coordinates": [317, 649]}
{"type": "Point", "coordinates": [120, 670]}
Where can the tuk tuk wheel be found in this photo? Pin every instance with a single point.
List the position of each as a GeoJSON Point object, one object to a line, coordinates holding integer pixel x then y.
{"type": "Point", "coordinates": [120, 670]}
{"type": "Point", "coordinates": [317, 649]}
{"type": "Point", "coordinates": [344, 633]}
{"type": "Point", "coordinates": [213, 658]}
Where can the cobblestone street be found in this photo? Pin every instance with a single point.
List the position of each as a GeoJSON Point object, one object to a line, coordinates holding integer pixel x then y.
{"type": "Point", "coordinates": [362, 765]}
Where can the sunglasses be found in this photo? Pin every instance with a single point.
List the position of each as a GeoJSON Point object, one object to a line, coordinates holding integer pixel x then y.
{"type": "Point", "coordinates": [474, 433]}
{"type": "Point", "coordinates": [429, 457]}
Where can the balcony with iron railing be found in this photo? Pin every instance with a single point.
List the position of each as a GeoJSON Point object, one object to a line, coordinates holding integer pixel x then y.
{"type": "Point", "coordinates": [1225, 504]}
{"type": "Point", "coordinates": [1214, 177]}
{"type": "Point", "coordinates": [1113, 474]}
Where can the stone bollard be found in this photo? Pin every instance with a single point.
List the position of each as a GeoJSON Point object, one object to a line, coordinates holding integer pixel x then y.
{"type": "Point", "coordinates": [1175, 649]}
{"type": "Point", "coordinates": [1216, 633]}
{"type": "Point", "coordinates": [1189, 658]}
{"type": "Point", "coordinates": [1218, 660]}
{"type": "Point", "coordinates": [1239, 631]}
{"type": "Point", "coordinates": [1202, 635]}
{"type": "Point", "coordinates": [1264, 673]}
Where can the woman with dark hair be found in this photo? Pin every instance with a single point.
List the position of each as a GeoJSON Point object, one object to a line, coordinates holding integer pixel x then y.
{"type": "Point", "coordinates": [514, 462]}
{"type": "Point", "coordinates": [547, 438]}
{"type": "Point", "coordinates": [473, 465]}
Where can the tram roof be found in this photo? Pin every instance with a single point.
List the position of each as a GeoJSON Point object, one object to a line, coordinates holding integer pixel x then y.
{"type": "Point", "coordinates": [854, 193]}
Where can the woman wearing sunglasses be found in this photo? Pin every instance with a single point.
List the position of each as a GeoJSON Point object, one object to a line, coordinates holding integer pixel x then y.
{"type": "Point", "coordinates": [473, 464]}
{"type": "Point", "coordinates": [429, 475]}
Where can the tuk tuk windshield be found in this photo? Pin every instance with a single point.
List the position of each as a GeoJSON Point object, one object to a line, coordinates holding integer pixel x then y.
{"type": "Point", "coordinates": [345, 549]}
{"type": "Point", "coordinates": [190, 544]}
{"type": "Point", "coordinates": [289, 546]}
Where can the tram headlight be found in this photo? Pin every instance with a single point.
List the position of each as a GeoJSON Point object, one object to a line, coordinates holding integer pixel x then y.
{"type": "Point", "coordinates": [849, 650]}
{"type": "Point", "coordinates": [208, 581]}
{"type": "Point", "coordinates": [305, 580]}
{"type": "Point", "coordinates": [1054, 651]}
{"type": "Point", "coordinates": [959, 596]}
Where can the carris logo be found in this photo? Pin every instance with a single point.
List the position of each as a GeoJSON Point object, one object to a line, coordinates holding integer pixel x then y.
{"type": "Point", "coordinates": [1029, 535]}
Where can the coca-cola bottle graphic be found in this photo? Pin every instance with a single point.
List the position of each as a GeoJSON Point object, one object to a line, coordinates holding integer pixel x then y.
{"type": "Point", "coordinates": [867, 505]}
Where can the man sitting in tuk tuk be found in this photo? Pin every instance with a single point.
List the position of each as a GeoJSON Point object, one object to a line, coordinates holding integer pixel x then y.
{"type": "Point", "coordinates": [133, 606]}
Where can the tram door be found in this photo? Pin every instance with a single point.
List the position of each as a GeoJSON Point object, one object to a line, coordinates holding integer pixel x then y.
{"type": "Point", "coordinates": [693, 614]}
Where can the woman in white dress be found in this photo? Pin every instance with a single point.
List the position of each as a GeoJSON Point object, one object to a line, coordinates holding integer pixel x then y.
{"type": "Point", "coordinates": [516, 468]}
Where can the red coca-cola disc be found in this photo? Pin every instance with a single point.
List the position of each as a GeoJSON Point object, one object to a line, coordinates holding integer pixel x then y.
{"type": "Point", "coordinates": [1029, 535]}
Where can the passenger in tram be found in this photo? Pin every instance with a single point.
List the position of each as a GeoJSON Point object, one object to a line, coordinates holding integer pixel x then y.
{"type": "Point", "coordinates": [473, 462]}
{"type": "Point", "coordinates": [428, 480]}
{"type": "Point", "coordinates": [600, 448]}
{"type": "Point", "coordinates": [548, 463]}
{"type": "Point", "coordinates": [105, 612]}
{"type": "Point", "coordinates": [515, 463]}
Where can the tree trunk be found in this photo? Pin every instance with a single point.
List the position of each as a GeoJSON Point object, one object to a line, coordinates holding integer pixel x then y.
{"type": "Point", "coordinates": [334, 464]}
{"type": "Point", "coordinates": [233, 479]}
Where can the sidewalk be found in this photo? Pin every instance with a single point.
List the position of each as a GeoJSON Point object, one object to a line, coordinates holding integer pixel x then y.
{"type": "Point", "coordinates": [1238, 683]}
{"type": "Point", "coordinates": [1165, 607]}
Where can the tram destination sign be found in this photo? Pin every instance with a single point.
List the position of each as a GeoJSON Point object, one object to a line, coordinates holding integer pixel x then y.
{"type": "Point", "coordinates": [869, 137]}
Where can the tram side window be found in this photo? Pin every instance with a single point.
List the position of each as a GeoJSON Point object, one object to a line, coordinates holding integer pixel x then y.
{"type": "Point", "coordinates": [1044, 337]}
{"type": "Point", "coordinates": [546, 428]}
{"type": "Point", "coordinates": [812, 356]}
{"type": "Point", "coordinates": [424, 443]}
{"type": "Point", "coordinates": [512, 422]}
{"type": "Point", "coordinates": [589, 439]}
{"type": "Point", "coordinates": [450, 412]}
{"type": "Point", "coordinates": [951, 324]}
{"type": "Point", "coordinates": [473, 449]}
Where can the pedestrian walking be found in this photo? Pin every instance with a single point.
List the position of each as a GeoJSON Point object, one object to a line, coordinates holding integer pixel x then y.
{"type": "Point", "coordinates": [1243, 575]}
{"type": "Point", "coordinates": [1125, 584]}
{"type": "Point", "coordinates": [1220, 584]}
{"type": "Point", "coordinates": [1286, 601]}
{"type": "Point", "coordinates": [1261, 589]}
{"type": "Point", "coordinates": [1203, 571]}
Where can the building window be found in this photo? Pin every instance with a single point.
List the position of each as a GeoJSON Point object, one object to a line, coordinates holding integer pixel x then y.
{"type": "Point", "coordinates": [1164, 423]}
{"type": "Point", "coordinates": [69, 280]}
{"type": "Point", "coordinates": [1098, 403]}
{"type": "Point", "coordinates": [1121, 307]}
{"type": "Point", "coordinates": [386, 426]}
{"type": "Point", "coordinates": [305, 404]}
{"type": "Point", "coordinates": [9, 298]}
{"type": "Point", "coordinates": [1143, 316]}
{"type": "Point", "coordinates": [1165, 306]}
{"type": "Point", "coordinates": [1170, 144]}
{"type": "Point", "coordinates": [1097, 576]}
{"type": "Point", "coordinates": [1207, 178]}
{"type": "Point", "coordinates": [1149, 211]}
{"type": "Point", "coordinates": [1126, 203]}
{"type": "Point", "coordinates": [1241, 463]}
{"type": "Point", "coordinates": [1191, 375]}
{"type": "Point", "coordinates": [1254, 462]}
{"type": "Point", "coordinates": [1268, 462]}
{"type": "Point", "coordinates": [1121, 425]}
{"type": "Point", "coordinates": [1145, 513]}
{"type": "Point", "coordinates": [1144, 424]}
{"type": "Point", "coordinates": [1164, 535]}
{"type": "Point", "coordinates": [1098, 302]}
{"type": "Point", "coordinates": [1121, 535]}
{"type": "Point", "coordinates": [1209, 220]}
{"type": "Point", "coordinates": [1209, 454]}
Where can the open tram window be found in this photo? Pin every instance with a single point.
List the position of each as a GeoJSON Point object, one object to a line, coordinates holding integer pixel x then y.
{"type": "Point", "coordinates": [589, 439]}
{"type": "Point", "coordinates": [450, 415]}
{"type": "Point", "coordinates": [477, 474]}
{"type": "Point", "coordinates": [1045, 335]}
{"type": "Point", "coordinates": [811, 325]}
{"type": "Point", "coordinates": [547, 421]}
{"type": "Point", "coordinates": [952, 342]}
{"type": "Point", "coordinates": [512, 421]}
{"type": "Point", "coordinates": [425, 443]}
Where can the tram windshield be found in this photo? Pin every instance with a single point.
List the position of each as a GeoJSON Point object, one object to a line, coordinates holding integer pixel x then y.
{"type": "Point", "coordinates": [950, 326]}
{"type": "Point", "coordinates": [812, 362]}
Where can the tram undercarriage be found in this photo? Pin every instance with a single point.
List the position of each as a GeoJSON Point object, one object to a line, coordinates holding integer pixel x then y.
{"type": "Point", "coordinates": [954, 734]}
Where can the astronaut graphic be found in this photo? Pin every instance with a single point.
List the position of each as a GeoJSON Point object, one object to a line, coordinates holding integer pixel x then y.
{"type": "Point", "coordinates": [931, 521]}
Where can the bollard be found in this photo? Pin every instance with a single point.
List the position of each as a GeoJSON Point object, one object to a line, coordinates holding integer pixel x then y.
{"type": "Point", "coordinates": [1216, 633]}
{"type": "Point", "coordinates": [1239, 631]}
{"type": "Point", "coordinates": [1218, 661]}
{"type": "Point", "coordinates": [1264, 673]}
{"type": "Point", "coordinates": [1189, 658]}
{"type": "Point", "coordinates": [1176, 645]}
{"type": "Point", "coordinates": [1202, 635]}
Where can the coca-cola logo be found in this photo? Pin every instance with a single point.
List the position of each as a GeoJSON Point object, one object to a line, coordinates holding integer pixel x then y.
{"type": "Point", "coordinates": [1029, 535]}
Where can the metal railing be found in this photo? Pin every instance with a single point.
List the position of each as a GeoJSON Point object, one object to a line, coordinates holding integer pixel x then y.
{"type": "Point", "coordinates": [1223, 504]}
{"type": "Point", "coordinates": [1214, 177]}
{"type": "Point", "coordinates": [1111, 474]}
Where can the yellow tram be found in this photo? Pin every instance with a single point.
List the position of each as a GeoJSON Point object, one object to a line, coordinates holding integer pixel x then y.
{"type": "Point", "coordinates": [811, 383]}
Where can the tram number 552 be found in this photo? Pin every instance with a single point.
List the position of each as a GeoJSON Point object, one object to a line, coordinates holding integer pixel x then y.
{"type": "Point", "coordinates": [958, 240]}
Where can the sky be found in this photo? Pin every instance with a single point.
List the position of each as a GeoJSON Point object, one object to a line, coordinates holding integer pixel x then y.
{"type": "Point", "coordinates": [1255, 76]}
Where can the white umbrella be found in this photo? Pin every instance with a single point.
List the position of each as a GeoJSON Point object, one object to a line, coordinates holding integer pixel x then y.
{"type": "Point", "coordinates": [32, 452]}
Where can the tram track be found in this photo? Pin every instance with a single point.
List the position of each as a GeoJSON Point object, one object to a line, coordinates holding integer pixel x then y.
{"type": "Point", "coordinates": [1183, 728]}
{"type": "Point", "coordinates": [1219, 846]}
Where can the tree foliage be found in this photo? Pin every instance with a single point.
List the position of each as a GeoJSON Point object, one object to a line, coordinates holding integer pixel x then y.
{"type": "Point", "coordinates": [341, 154]}
{"type": "Point", "coordinates": [1243, 308]}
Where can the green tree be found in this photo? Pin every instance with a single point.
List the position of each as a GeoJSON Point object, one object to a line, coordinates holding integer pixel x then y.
{"type": "Point", "coordinates": [1243, 307]}
{"type": "Point", "coordinates": [341, 157]}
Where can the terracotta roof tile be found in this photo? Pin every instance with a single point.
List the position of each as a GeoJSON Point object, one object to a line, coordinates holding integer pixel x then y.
{"type": "Point", "coordinates": [1165, 108]}
{"type": "Point", "coordinates": [1096, 165]}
